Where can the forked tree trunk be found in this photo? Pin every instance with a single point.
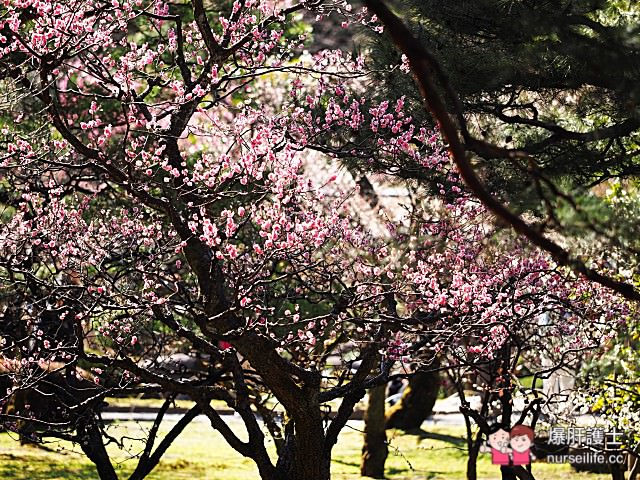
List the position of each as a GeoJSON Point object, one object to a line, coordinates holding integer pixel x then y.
{"type": "Point", "coordinates": [416, 403]}
{"type": "Point", "coordinates": [374, 451]}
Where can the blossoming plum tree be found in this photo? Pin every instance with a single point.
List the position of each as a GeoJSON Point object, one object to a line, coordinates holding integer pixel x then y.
{"type": "Point", "coordinates": [159, 199]}
{"type": "Point", "coordinates": [485, 306]}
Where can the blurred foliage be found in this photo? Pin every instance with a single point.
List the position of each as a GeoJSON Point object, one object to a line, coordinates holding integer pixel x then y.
{"type": "Point", "coordinates": [557, 80]}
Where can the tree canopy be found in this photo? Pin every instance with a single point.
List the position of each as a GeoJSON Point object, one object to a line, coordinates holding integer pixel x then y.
{"type": "Point", "coordinates": [542, 122]}
{"type": "Point", "coordinates": [174, 222]}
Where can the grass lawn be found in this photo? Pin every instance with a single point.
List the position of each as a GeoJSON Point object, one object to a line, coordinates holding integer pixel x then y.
{"type": "Point", "coordinates": [201, 453]}
{"type": "Point", "coordinates": [137, 404]}
{"type": "Point", "coordinates": [133, 404]}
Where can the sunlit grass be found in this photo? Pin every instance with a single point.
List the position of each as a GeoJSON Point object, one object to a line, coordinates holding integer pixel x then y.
{"type": "Point", "coordinates": [201, 453]}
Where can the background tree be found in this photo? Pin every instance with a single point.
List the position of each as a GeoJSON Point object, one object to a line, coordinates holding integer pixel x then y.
{"type": "Point", "coordinates": [584, 218]}
{"type": "Point", "coordinates": [375, 448]}
{"type": "Point", "coordinates": [543, 107]}
{"type": "Point", "coordinates": [477, 307]}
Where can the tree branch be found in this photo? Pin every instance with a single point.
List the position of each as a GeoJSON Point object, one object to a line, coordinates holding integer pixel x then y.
{"type": "Point", "coordinates": [147, 464]}
{"type": "Point", "coordinates": [425, 68]}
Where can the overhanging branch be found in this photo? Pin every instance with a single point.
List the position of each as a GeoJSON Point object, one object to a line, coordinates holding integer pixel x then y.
{"type": "Point", "coordinates": [430, 82]}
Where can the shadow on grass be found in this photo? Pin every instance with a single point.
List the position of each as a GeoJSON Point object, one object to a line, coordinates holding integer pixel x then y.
{"type": "Point", "coordinates": [28, 467]}
{"type": "Point", "coordinates": [405, 471]}
{"type": "Point", "coordinates": [348, 464]}
{"type": "Point", "coordinates": [393, 470]}
{"type": "Point", "coordinates": [423, 435]}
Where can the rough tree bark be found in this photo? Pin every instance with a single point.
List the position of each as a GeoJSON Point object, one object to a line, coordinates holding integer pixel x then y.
{"type": "Point", "coordinates": [374, 450]}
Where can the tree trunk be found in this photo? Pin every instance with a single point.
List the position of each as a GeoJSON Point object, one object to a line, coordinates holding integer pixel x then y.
{"type": "Point", "coordinates": [617, 471]}
{"type": "Point", "coordinates": [374, 451]}
{"type": "Point", "coordinates": [302, 455]}
{"type": "Point", "coordinates": [93, 447]}
{"type": "Point", "coordinates": [522, 473]}
{"type": "Point", "coordinates": [416, 403]}
{"type": "Point", "coordinates": [517, 472]}
{"type": "Point", "coordinates": [309, 463]}
{"type": "Point", "coordinates": [508, 473]}
{"type": "Point", "coordinates": [472, 462]}
{"type": "Point", "coordinates": [633, 465]}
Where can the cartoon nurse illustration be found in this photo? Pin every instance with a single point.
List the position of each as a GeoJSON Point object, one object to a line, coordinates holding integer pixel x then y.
{"type": "Point", "coordinates": [521, 442]}
{"type": "Point", "coordinates": [498, 445]}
